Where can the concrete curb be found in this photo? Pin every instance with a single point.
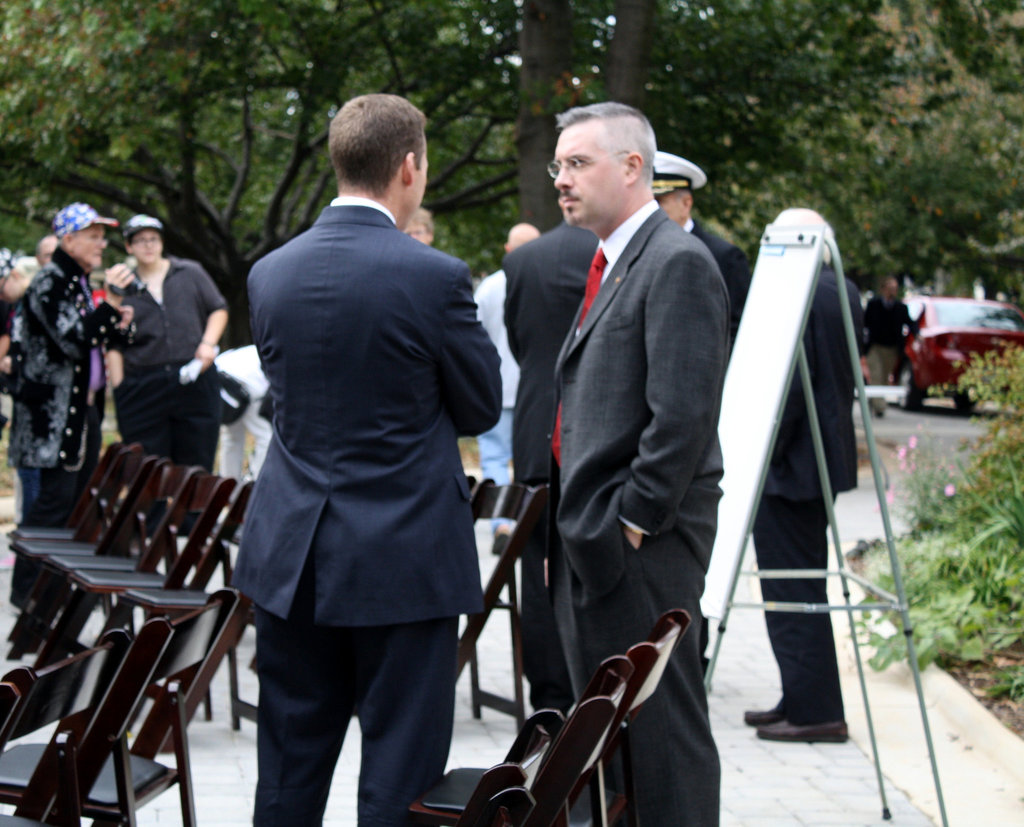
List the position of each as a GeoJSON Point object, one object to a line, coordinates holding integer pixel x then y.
{"type": "Point", "coordinates": [980, 762]}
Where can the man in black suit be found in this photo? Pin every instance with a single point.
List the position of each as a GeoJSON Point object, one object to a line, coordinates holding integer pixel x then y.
{"type": "Point", "coordinates": [640, 378]}
{"type": "Point", "coordinates": [358, 550]}
{"type": "Point", "coordinates": [675, 179]}
{"type": "Point", "coordinates": [791, 527]}
{"type": "Point", "coordinates": [545, 281]}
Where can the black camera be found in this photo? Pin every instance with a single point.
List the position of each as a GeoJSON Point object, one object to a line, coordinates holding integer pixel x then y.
{"type": "Point", "coordinates": [133, 288]}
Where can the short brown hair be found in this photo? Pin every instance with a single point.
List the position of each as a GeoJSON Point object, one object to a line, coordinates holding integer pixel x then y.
{"type": "Point", "coordinates": [370, 137]}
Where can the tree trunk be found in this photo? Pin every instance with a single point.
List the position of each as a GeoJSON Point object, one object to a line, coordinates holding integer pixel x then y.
{"type": "Point", "coordinates": [545, 85]}
{"type": "Point", "coordinates": [629, 54]}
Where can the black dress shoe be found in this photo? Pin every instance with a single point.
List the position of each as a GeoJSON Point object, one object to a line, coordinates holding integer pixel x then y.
{"type": "Point", "coordinates": [831, 732]}
{"type": "Point", "coordinates": [763, 717]}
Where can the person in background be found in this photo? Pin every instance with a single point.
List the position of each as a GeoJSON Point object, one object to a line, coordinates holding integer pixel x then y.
{"type": "Point", "coordinates": [44, 249]}
{"type": "Point", "coordinates": [791, 526]}
{"type": "Point", "coordinates": [675, 179]}
{"type": "Point", "coordinates": [243, 365]}
{"type": "Point", "coordinates": [886, 320]}
{"type": "Point", "coordinates": [545, 283]}
{"type": "Point", "coordinates": [57, 342]}
{"type": "Point", "coordinates": [421, 226]}
{"type": "Point", "coordinates": [496, 444]}
{"type": "Point", "coordinates": [12, 288]}
{"type": "Point", "coordinates": [165, 386]}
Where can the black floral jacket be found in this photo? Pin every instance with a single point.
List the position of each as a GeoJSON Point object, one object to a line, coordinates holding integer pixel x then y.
{"type": "Point", "coordinates": [51, 342]}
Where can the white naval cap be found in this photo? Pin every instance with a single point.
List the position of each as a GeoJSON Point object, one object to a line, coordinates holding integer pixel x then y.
{"type": "Point", "coordinates": [671, 172]}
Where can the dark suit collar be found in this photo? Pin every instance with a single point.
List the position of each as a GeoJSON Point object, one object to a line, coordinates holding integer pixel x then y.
{"type": "Point", "coordinates": [618, 274]}
{"type": "Point", "coordinates": [354, 215]}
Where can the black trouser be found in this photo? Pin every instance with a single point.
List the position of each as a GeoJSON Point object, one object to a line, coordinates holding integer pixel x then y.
{"type": "Point", "coordinates": [794, 535]}
{"type": "Point", "coordinates": [59, 490]}
{"type": "Point", "coordinates": [543, 659]}
{"type": "Point", "coordinates": [180, 422]}
{"type": "Point", "coordinates": [400, 682]}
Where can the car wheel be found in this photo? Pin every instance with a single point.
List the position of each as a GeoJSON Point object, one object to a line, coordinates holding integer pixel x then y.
{"type": "Point", "coordinates": [913, 396]}
{"type": "Point", "coordinates": [963, 402]}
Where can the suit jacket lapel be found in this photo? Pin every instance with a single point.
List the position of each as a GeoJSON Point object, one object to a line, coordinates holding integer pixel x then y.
{"type": "Point", "coordinates": [613, 281]}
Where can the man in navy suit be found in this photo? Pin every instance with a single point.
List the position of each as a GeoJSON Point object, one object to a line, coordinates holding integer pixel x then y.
{"type": "Point", "coordinates": [358, 549]}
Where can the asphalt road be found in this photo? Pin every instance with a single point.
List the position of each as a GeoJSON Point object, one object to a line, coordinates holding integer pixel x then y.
{"type": "Point", "coordinates": [937, 422]}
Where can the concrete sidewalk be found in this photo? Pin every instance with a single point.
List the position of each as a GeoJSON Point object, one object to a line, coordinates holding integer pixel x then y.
{"type": "Point", "coordinates": [764, 783]}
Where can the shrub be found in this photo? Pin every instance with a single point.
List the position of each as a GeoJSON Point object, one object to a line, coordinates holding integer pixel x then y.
{"type": "Point", "coordinates": [963, 563]}
{"type": "Point", "coordinates": [925, 496]}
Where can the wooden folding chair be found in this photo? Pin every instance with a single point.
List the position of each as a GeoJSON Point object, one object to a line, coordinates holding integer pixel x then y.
{"type": "Point", "coordinates": [649, 659]}
{"type": "Point", "coordinates": [180, 491]}
{"type": "Point", "coordinates": [560, 766]}
{"type": "Point", "coordinates": [202, 495]}
{"type": "Point", "coordinates": [523, 504]}
{"type": "Point", "coordinates": [176, 600]}
{"type": "Point", "coordinates": [48, 593]}
{"type": "Point", "coordinates": [119, 779]}
{"type": "Point", "coordinates": [96, 503]}
{"type": "Point", "coordinates": [89, 697]}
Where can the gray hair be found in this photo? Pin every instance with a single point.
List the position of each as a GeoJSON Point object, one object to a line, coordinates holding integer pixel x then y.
{"type": "Point", "coordinates": [632, 133]}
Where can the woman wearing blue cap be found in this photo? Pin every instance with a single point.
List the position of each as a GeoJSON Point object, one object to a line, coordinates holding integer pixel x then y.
{"type": "Point", "coordinates": [165, 385]}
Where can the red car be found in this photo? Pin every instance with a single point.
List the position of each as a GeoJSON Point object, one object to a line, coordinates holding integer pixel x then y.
{"type": "Point", "coordinates": [950, 332]}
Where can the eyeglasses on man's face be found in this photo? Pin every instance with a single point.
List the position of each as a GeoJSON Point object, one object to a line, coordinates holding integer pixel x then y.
{"type": "Point", "coordinates": [577, 163]}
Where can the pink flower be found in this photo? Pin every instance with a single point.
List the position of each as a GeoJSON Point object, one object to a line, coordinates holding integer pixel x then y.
{"type": "Point", "coordinates": [890, 496]}
{"type": "Point", "coordinates": [912, 442]}
{"type": "Point", "coordinates": [950, 490]}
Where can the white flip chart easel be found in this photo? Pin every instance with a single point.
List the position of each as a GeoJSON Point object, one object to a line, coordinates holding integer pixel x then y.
{"type": "Point", "coordinates": [767, 354]}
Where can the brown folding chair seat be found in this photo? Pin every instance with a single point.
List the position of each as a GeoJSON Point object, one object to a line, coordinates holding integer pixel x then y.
{"type": "Point", "coordinates": [119, 778]}
{"type": "Point", "coordinates": [95, 504]}
{"type": "Point", "coordinates": [523, 504]}
{"type": "Point", "coordinates": [562, 765]}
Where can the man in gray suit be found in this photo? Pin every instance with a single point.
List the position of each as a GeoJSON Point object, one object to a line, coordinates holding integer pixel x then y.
{"type": "Point", "coordinates": [640, 380]}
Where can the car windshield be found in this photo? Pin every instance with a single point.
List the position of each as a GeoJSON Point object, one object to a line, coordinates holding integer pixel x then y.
{"type": "Point", "coordinates": [964, 314]}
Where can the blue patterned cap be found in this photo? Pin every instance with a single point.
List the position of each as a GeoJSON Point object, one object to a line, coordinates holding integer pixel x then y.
{"type": "Point", "coordinates": [78, 216]}
{"type": "Point", "coordinates": [6, 262]}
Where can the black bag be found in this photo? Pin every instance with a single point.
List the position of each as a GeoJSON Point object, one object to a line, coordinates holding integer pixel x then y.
{"type": "Point", "coordinates": [234, 398]}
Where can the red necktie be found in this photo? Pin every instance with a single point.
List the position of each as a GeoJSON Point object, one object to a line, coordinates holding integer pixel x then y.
{"type": "Point", "coordinates": [593, 285]}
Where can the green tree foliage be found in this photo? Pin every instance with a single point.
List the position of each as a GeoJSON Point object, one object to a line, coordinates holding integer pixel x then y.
{"type": "Point", "coordinates": [212, 114]}
{"type": "Point", "coordinates": [898, 120]}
